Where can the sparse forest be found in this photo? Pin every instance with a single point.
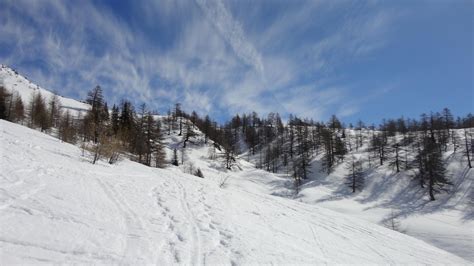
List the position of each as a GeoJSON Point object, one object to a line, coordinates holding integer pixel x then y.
{"type": "Point", "coordinates": [405, 144]}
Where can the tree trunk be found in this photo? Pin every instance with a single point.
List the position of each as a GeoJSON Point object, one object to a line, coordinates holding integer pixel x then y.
{"type": "Point", "coordinates": [467, 150]}
{"type": "Point", "coordinates": [431, 186]}
{"type": "Point", "coordinates": [353, 178]}
{"type": "Point", "coordinates": [396, 159]}
{"type": "Point", "coordinates": [381, 156]}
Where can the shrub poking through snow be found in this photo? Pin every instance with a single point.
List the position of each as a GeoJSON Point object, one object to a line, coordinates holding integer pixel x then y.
{"type": "Point", "coordinates": [199, 173]}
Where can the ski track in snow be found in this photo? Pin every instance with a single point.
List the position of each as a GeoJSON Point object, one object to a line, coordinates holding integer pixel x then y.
{"type": "Point", "coordinates": [196, 255]}
{"type": "Point", "coordinates": [135, 246]}
{"type": "Point", "coordinates": [19, 190]}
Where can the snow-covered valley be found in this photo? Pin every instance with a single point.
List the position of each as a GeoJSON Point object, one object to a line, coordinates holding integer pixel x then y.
{"type": "Point", "coordinates": [220, 132]}
{"type": "Point", "coordinates": [57, 207]}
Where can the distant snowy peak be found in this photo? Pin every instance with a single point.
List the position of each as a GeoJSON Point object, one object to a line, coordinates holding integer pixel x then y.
{"type": "Point", "coordinates": [15, 82]}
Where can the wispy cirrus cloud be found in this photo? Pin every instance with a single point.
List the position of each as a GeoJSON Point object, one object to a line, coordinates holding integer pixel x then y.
{"type": "Point", "coordinates": [232, 32]}
{"type": "Point", "coordinates": [207, 58]}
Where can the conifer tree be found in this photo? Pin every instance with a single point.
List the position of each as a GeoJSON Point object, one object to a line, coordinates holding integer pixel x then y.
{"type": "Point", "coordinates": [115, 120]}
{"type": "Point", "coordinates": [54, 106]}
{"type": "Point", "coordinates": [9, 104]}
{"type": "Point", "coordinates": [468, 149]}
{"type": "Point", "coordinates": [66, 129]}
{"type": "Point", "coordinates": [303, 147]}
{"type": "Point", "coordinates": [378, 145]}
{"type": "Point", "coordinates": [18, 109]}
{"type": "Point", "coordinates": [432, 167]}
{"type": "Point", "coordinates": [230, 148]}
{"type": "Point", "coordinates": [355, 176]}
{"type": "Point", "coordinates": [140, 141]}
{"type": "Point", "coordinates": [174, 161]}
{"type": "Point", "coordinates": [251, 139]}
{"type": "Point", "coordinates": [206, 128]}
{"type": "Point", "coordinates": [189, 133]}
{"type": "Point", "coordinates": [127, 122]}
{"type": "Point", "coordinates": [37, 112]}
{"type": "Point", "coordinates": [328, 144]}
{"type": "Point", "coordinates": [340, 149]}
{"type": "Point", "coordinates": [178, 113]}
{"type": "Point", "coordinates": [95, 117]}
{"type": "Point", "coordinates": [158, 147]}
{"type": "Point", "coordinates": [396, 158]}
{"type": "Point", "coordinates": [3, 102]}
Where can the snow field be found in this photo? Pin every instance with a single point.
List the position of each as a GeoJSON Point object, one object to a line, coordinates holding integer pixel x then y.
{"type": "Point", "coordinates": [56, 207]}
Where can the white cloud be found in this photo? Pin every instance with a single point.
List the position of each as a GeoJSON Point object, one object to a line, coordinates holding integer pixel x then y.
{"type": "Point", "coordinates": [206, 63]}
{"type": "Point", "coordinates": [232, 32]}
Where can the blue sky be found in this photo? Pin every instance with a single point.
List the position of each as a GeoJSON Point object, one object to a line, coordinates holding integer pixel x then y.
{"type": "Point", "coordinates": [356, 59]}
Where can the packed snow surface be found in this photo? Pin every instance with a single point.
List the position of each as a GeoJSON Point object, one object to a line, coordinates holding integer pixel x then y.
{"type": "Point", "coordinates": [56, 207]}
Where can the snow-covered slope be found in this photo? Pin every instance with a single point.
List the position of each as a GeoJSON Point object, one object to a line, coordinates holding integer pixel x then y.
{"type": "Point", "coordinates": [56, 207]}
{"type": "Point", "coordinates": [390, 198]}
{"type": "Point", "coordinates": [15, 82]}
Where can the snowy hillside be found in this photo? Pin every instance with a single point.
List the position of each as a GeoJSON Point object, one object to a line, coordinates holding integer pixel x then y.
{"type": "Point", "coordinates": [56, 207]}
{"type": "Point", "coordinates": [15, 82]}
{"type": "Point", "coordinates": [395, 200]}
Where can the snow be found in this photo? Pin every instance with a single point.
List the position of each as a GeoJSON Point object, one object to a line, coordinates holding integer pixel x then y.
{"type": "Point", "coordinates": [17, 83]}
{"type": "Point", "coordinates": [446, 223]}
{"type": "Point", "coordinates": [56, 207]}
